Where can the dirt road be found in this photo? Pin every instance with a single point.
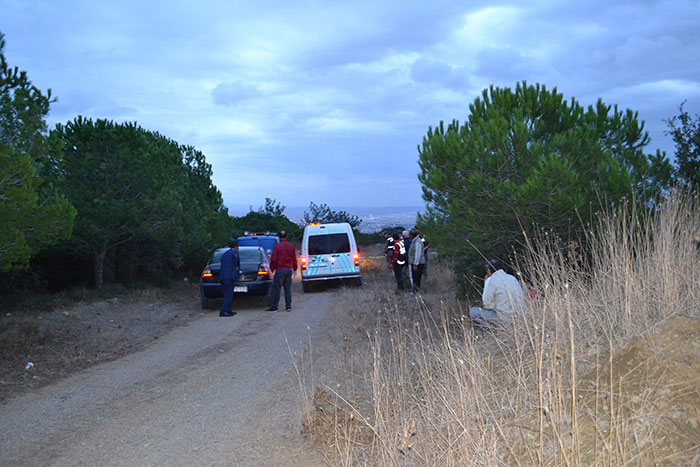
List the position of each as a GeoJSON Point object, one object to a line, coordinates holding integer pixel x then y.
{"type": "Point", "coordinates": [220, 391]}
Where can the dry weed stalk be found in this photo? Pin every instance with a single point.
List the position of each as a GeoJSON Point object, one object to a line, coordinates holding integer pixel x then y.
{"type": "Point", "coordinates": [588, 375]}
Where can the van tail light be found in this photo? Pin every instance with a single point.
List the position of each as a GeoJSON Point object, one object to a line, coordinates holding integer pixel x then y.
{"type": "Point", "coordinates": [303, 261]}
{"type": "Point", "coordinates": [356, 257]}
{"type": "Point", "coordinates": [207, 274]}
{"type": "Point", "coordinates": [262, 270]}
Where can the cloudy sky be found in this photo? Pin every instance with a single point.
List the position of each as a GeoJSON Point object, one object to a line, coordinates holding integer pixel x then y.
{"type": "Point", "coordinates": [327, 101]}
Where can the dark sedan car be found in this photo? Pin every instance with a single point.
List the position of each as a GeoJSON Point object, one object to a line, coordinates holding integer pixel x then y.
{"type": "Point", "coordinates": [254, 277]}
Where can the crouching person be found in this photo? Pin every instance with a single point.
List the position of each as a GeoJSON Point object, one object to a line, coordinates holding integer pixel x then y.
{"type": "Point", "coordinates": [502, 296]}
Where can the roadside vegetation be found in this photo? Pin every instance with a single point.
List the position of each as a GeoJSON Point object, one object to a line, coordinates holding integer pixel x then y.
{"type": "Point", "coordinates": [92, 202]}
{"type": "Point", "coordinates": [602, 369]}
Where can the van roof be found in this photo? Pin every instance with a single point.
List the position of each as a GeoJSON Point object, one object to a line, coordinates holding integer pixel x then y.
{"type": "Point", "coordinates": [330, 224]}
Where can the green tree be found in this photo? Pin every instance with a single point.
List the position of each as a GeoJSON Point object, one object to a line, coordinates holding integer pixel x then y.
{"type": "Point", "coordinates": [685, 131]}
{"type": "Point", "coordinates": [528, 159]}
{"type": "Point", "coordinates": [269, 218]}
{"type": "Point", "coordinates": [126, 183]}
{"type": "Point", "coordinates": [272, 207]}
{"type": "Point", "coordinates": [206, 222]}
{"type": "Point", "coordinates": [324, 214]}
{"type": "Point", "coordinates": [33, 216]}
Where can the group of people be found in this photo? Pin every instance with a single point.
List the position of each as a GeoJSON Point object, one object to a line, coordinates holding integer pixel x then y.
{"type": "Point", "coordinates": [502, 296]}
{"type": "Point", "coordinates": [283, 264]}
{"type": "Point", "coordinates": [408, 251]}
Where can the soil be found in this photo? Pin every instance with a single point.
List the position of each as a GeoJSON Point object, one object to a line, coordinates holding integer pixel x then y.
{"type": "Point", "coordinates": [151, 379]}
{"type": "Point", "coordinates": [74, 336]}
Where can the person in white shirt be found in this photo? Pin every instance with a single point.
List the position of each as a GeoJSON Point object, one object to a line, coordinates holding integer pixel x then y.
{"type": "Point", "coordinates": [503, 295]}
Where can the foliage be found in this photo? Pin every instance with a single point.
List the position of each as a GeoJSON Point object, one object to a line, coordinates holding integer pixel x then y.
{"type": "Point", "coordinates": [369, 239]}
{"type": "Point", "coordinates": [32, 215]}
{"type": "Point", "coordinates": [322, 213]}
{"type": "Point", "coordinates": [685, 131]}
{"type": "Point", "coordinates": [271, 218]}
{"type": "Point", "coordinates": [272, 207]}
{"type": "Point", "coordinates": [528, 159]}
{"type": "Point", "coordinates": [140, 196]}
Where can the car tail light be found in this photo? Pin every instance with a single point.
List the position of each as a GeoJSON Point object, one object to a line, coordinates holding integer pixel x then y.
{"type": "Point", "coordinates": [303, 261]}
{"type": "Point", "coordinates": [207, 274]}
{"type": "Point", "coordinates": [356, 257]}
{"type": "Point", "coordinates": [262, 270]}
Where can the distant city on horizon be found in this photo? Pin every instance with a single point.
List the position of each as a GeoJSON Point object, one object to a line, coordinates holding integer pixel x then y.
{"type": "Point", "coordinates": [373, 218]}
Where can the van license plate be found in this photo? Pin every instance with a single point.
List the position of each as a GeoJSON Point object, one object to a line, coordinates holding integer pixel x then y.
{"type": "Point", "coordinates": [242, 288]}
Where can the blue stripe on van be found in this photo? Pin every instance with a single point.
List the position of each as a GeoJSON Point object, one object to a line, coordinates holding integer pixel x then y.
{"type": "Point", "coordinates": [341, 262]}
{"type": "Point", "coordinates": [347, 266]}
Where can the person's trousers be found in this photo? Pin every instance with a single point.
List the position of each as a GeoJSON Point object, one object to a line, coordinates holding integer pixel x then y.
{"type": "Point", "coordinates": [484, 317]}
{"type": "Point", "coordinates": [282, 279]}
{"type": "Point", "coordinates": [227, 289]}
{"type": "Point", "coordinates": [417, 275]}
{"type": "Point", "coordinates": [398, 274]}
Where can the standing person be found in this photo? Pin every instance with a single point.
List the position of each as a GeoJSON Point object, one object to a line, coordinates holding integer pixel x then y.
{"type": "Point", "coordinates": [389, 248]}
{"type": "Point", "coordinates": [228, 275]}
{"type": "Point", "coordinates": [283, 262]}
{"type": "Point", "coordinates": [398, 261]}
{"type": "Point", "coordinates": [416, 258]}
{"type": "Point", "coordinates": [502, 296]}
{"type": "Point", "coordinates": [426, 247]}
{"type": "Point", "coordinates": [406, 239]}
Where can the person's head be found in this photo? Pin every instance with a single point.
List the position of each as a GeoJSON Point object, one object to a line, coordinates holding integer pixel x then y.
{"type": "Point", "coordinates": [413, 234]}
{"type": "Point", "coordinates": [404, 234]}
{"type": "Point", "coordinates": [396, 236]}
{"type": "Point", "coordinates": [283, 234]}
{"type": "Point", "coordinates": [233, 243]}
{"type": "Point", "coordinates": [493, 265]}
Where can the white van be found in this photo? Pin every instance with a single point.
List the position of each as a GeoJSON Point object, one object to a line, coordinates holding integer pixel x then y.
{"type": "Point", "coordinates": [329, 252]}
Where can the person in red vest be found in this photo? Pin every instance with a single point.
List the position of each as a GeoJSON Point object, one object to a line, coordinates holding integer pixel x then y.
{"type": "Point", "coordinates": [283, 263]}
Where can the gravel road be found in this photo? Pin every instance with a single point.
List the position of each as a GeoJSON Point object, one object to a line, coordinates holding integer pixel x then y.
{"type": "Point", "coordinates": [220, 391]}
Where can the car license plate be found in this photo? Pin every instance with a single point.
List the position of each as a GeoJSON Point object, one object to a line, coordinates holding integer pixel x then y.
{"type": "Point", "coordinates": [318, 264]}
{"type": "Point", "coordinates": [241, 288]}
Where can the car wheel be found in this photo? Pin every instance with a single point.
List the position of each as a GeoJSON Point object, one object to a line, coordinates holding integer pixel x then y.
{"type": "Point", "coordinates": [358, 282]}
{"type": "Point", "coordinates": [204, 301]}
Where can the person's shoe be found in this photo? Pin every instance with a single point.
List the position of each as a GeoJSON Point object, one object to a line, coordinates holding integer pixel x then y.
{"type": "Point", "coordinates": [289, 308]}
{"type": "Point", "coordinates": [272, 310]}
{"type": "Point", "coordinates": [227, 313]}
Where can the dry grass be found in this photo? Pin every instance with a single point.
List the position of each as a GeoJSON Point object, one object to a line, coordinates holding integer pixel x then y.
{"type": "Point", "coordinates": [602, 369]}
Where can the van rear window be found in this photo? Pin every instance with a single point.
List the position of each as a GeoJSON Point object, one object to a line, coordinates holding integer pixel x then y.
{"type": "Point", "coordinates": [329, 244]}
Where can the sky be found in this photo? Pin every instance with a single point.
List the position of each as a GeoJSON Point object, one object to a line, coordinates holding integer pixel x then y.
{"type": "Point", "coordinates": [328, 101]}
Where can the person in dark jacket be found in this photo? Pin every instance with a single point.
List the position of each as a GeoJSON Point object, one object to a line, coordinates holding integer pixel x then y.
{"type": "Point", "coordinates": [398, 261]}
{"type": "Point", "coordinates": [388, 248]}
{"type": "Point", "coordinates": [283, 262]}
{"type": "Point", "coordinates": [228, 275]}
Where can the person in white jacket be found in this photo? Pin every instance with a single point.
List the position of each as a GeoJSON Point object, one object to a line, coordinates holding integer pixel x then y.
{"type": "Point", "coordinates": [416, 258]}
{"type": "Point", "coordinates": [502, 296]}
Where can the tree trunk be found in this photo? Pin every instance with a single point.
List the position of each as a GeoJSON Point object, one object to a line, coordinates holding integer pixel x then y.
{"type": "Point", "coordinates": [100, 266]}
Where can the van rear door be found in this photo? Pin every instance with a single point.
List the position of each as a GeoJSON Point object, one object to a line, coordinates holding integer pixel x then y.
{"type": "Point", "coordinates": [329, 254]}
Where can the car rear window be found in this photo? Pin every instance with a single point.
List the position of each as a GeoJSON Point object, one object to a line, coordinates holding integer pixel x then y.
{"type": "Point", "coordinates": [216, 257]}
{"type": "Point", "coordinates": [250, 256]}
{"type": "Point", "coordinates": [329, 244]}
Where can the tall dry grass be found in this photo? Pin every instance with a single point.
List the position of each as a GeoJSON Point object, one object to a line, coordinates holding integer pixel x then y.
{"type": "Point", "coordinates": [584, 376]}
